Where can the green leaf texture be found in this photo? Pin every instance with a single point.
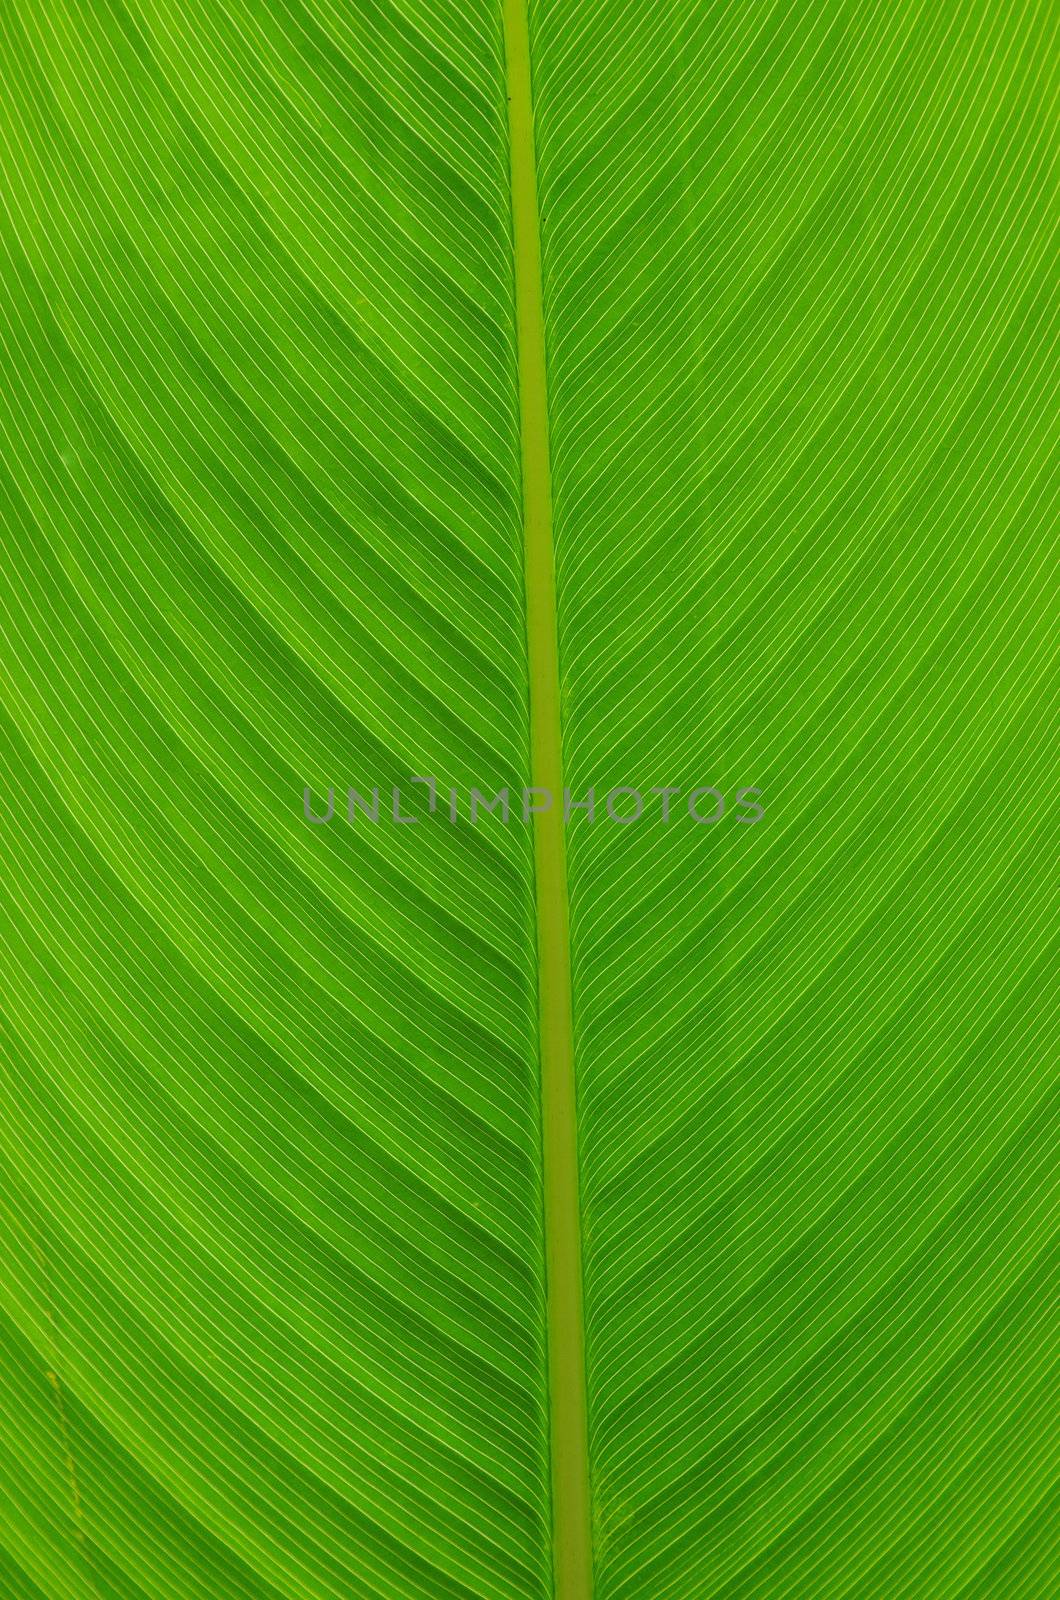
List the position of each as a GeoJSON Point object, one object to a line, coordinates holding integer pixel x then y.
{"type": "Point", "coordinates": [275, 1319]}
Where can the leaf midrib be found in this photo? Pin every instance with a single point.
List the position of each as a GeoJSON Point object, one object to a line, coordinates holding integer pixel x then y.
{"type": "Point", "coordinates": [571, 1522]}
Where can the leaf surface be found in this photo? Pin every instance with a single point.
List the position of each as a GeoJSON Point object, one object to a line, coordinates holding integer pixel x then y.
{"type": "Point", "coordinates": [289, 509]}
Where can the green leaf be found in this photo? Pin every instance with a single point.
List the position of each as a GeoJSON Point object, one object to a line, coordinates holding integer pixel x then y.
{"type": "Point", "coordinates": [626, 397]}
